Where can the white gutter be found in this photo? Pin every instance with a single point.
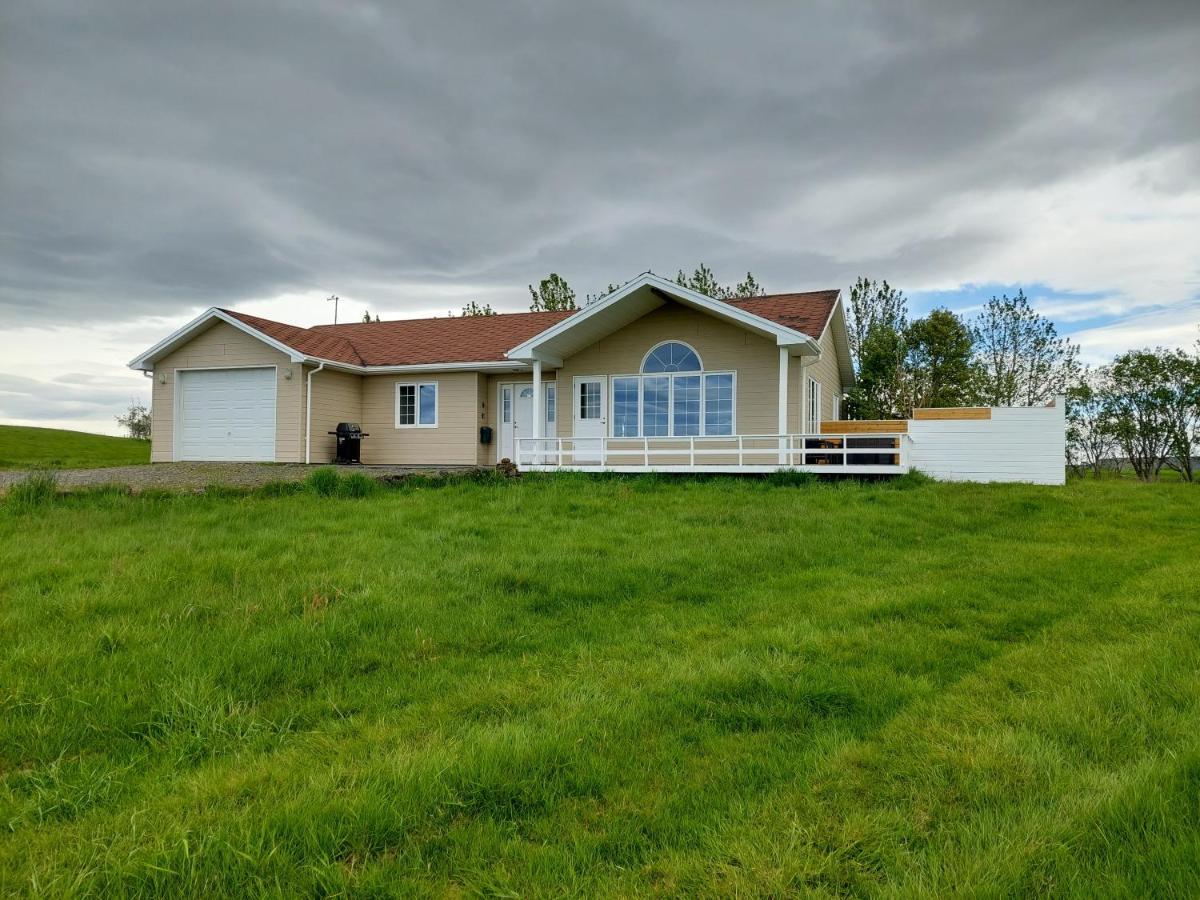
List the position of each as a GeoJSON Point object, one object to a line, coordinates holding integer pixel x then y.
{"type": "Point", "coordinates": [308, 416]}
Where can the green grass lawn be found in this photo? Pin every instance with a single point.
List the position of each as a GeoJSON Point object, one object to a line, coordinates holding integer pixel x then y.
{"type": "Point", "coordinates": [608, 687]}
{"type": "Point", "coordinates": [25, 448]}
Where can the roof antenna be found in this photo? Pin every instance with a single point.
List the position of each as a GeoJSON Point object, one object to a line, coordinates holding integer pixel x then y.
{"type": "Point", "coordinates": [336, 299]}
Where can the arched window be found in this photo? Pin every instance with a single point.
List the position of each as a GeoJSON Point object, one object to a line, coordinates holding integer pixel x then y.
{"type": "Point", "coordinates": [673, 397]}
{"type": "Point", "coordinates": [671, 356]}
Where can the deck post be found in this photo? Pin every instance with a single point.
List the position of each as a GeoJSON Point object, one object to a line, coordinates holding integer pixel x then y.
{"type": "Point", "coordinates": [537, 410]}
{"type": "Point", "coordinates": [783, 404]}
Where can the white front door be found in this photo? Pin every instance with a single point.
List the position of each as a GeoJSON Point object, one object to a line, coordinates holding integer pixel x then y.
{"type": "Point", "coordinates": [225, 414]}
{"type": "Point", "coordinates": [516, 416]}
{"type": "Point", "coordinates": [589, 417]}
{"type": "Point", "coordinates": [522, 418]}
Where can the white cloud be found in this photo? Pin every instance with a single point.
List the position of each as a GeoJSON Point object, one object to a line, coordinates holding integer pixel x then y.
{"type": "Point", "coordinates": [1176, 327]}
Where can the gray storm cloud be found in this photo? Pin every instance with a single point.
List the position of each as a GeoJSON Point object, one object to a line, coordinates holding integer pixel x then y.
{"type": "Point", "coordinates": [158, 160]}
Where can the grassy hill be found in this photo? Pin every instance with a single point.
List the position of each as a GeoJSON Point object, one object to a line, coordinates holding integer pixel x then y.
{"type": "Point", "coordinates": [22, 447]}
{"type": "Point", "coordinates": [608, 687]}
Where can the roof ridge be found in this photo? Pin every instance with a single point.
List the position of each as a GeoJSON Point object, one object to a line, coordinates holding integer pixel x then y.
{"type": "Point", "coordinates": [494, 315]}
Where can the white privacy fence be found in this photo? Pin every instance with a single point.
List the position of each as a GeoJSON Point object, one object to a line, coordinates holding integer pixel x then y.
{"type": "Point", "coordinates": [1026, 444]}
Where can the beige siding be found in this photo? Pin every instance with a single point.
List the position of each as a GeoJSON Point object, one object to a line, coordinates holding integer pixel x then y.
{"type": "Point", "coordinates": [337, 397]}
{"type": "Point", "coordinates": [223, 345]}
{"type": "Point", "coordinates": [454, 441]}
{"type": "Point", "coordinates": [827, 371]}
{"type": "Point", "coordinates": [484, 455]}
{"type": "Point", "coordinates": [722, 347]}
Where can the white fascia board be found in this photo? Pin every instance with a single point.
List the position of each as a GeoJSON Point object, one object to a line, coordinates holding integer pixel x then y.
{"type": "Point", "coordinates": [502, 365]}
{"type": "Point", "coordinates": [845, 363]}
{"type": "Point", "coordinates": [784, 337]}
{"type": "Point", "coordinates": [146, 359]}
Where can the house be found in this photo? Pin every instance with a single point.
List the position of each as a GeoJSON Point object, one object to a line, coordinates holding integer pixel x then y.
{"type": "Point", "coordinates": [653, 376]}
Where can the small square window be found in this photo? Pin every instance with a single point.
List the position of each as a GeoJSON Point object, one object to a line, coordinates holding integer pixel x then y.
{"type": "Point", "coordinates": [416, 405]}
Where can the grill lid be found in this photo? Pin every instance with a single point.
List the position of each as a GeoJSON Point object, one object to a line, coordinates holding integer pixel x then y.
{"type": "Point", "coordinates": [349, 428]}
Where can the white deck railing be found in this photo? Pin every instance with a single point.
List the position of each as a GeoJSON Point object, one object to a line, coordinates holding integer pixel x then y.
{"type": "Point", "coordinates": [865, 454]}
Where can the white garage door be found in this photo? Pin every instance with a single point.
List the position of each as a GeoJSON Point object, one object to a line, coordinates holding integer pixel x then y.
{"type": "Point", "coordinates": [227, 414]}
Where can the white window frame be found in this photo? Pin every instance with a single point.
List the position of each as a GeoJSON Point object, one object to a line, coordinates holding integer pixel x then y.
{"type": "Point", "coordinates": [813, 425]}
{"type": "Point", "coordinates": [670, 376]}
{"type": "Point", "coordinates": [416, 386]}
{"type": "Point", "coordinates": [836, 402]}
{"type": "Point", "coordinates": [646, 356]}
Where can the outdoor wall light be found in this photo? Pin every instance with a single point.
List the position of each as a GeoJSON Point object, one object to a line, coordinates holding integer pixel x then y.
{"type": "Point", "coordinates": [162, 378]}
{"type": "Point", "coordinates": [287, 374]}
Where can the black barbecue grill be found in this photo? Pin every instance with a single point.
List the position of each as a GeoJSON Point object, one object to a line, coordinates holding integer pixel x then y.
{"type": "Point", "coordinates": [349, 442]}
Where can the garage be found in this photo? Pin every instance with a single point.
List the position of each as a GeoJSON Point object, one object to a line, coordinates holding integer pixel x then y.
{"type": "Point", "coordinates": [226, 414]}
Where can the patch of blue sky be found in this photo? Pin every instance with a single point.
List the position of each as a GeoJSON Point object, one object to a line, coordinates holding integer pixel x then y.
{"type": "Point", "coordinates": [1070, 310]}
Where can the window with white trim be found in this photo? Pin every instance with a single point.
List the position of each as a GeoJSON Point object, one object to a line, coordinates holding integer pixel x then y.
{"type": "Point", "coordinates": [551, 403]}
{"type": "Point", "coordinates": [673, 396]}
{"type": "Point", "coordinates": [814, 406]}
{"type": "Point", "coordinates": [416, 405]}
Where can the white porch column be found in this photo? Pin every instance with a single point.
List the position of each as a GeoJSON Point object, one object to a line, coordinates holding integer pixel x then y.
{"type": "Point", "coordinates": [803, 407]}
{"type": "Point", "coordinates": [537, 409]}
{"type": "Point", "coordinates": [803, 395]}
{"type": "Point", "coordinates": [783, 403]}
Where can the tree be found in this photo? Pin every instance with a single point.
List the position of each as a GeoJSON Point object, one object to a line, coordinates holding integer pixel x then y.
{"type": "Point", "coordinates": [1091, 437]}
{"type": "Point", "coordinates": [474, 308]}
{"type": "Point", "coordinates": [1142, 403]}
{"type": "Point", "coordinates": [592, 298]}
{"type": "Point", "coordinates": [872, 304]}
{"type": "Point", "coordinates": [136, 420]}
{"type": "Point", "coordinates": [1181, 374]}
{"type": "Point", "coordinates": [938, 362]}
{"type": "Point", "coordinates": [878, 343]}
{"type": "Point", "coordinates": [881, 390]}
{"type": "Point", "coordinates": [1022, 360]}
{"type": "Point", "coordinates": [703, 281]}
{"type": "Point", "coordinates": [553, 293]}
{"type": "Point", "coordinates": [367, 316]}
{"type": "Point", "coordinates": [748, 287]}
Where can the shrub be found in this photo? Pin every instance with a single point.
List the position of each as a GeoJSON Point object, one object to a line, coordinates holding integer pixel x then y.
{"type": "Point", "coordinates": [324, 482]}
{"type": "Point", "coordinates": [357, 484]}
{"type": "Point", "coordinates": [280, 488]}
{"type": "Point", "coordinates": [37, 490]}
{"type": "Point", "coordinates": [791, 478]}
{"type": "Point", "coordinates": [914, 478]}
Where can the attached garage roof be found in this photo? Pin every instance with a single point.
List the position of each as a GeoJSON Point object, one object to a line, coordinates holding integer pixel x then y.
{"type": "Point", "coordinates": [469, 339]}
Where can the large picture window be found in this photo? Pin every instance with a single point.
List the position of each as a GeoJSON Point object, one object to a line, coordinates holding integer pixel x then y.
{"type": "Point", "coordinates": [673, 397]}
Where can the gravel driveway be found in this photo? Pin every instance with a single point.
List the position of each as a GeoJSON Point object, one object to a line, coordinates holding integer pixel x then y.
{"type": "Point", "coordinates": [191, 476]}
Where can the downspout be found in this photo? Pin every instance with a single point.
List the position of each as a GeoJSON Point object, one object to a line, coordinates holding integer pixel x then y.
{"type": "Point", "coordinates": [308, 416]}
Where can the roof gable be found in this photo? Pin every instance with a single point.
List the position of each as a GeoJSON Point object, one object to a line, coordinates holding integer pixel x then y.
{"type": "Point", "coordinates": [648, 292]}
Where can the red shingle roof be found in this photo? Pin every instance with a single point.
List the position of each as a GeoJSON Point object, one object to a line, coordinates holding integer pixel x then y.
{"type": "Point", "coordinates": [806, 313]}
{"type": "Point", "coordinates": [408, 342]}
{"type": "Point", "coordinates": [309, 341]}
{"type": "Point", "coordinates": [467, 339]}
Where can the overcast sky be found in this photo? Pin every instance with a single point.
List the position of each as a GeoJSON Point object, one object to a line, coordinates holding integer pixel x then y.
{"type": "Point", "coordinates": [160, 158]}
